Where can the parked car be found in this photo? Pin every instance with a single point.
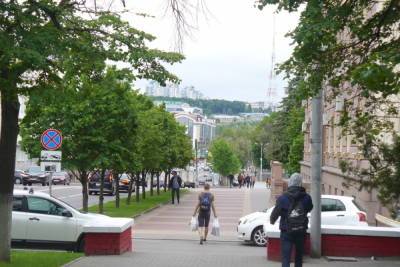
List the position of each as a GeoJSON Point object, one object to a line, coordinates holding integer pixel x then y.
{"type": "Point", "coordinates": [36, 176]}
{"type": "Point", "coordinates": [336, 210]}
{"type": "Point", "coordinates": [42, 221]}
{"type": "Point", "coordinates": [61, 178]}
{"type": "Point", "coordinates": [189, 184]}
{"type": "Point", "coordinates": [124, 181]}
{"type": "Point", "coordinates": [94, 183]}
{"type": "Point", "coordinates": [20, 176]}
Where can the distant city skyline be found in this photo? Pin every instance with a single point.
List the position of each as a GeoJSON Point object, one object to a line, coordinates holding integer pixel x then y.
{"type": "Point", "coordinates": [229, 53]}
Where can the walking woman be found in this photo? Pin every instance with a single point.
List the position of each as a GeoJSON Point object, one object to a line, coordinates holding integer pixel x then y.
{"type": "Point", "coordinates": [206, 203]}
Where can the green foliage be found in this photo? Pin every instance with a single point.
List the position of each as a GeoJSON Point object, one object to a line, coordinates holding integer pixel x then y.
{"type": "Point", "coordinates": [223, 158]}
{"type": "Point", "coordinates": [239, 136]}
{"type": "Point", "coordinates": [212, 106]}
{"type": "Point", "coordinates": [352, 48]}
{"type": "Point", "coordinates": [280, 133]}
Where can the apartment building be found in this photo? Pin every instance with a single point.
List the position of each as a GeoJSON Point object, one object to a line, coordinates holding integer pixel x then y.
{"type": "Point", "coordinates": [337, 147]}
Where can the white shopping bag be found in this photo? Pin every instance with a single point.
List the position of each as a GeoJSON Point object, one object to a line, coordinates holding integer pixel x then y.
{"type": "Point", "coordinates": [215, 228]}
{"type": "Point", "coordinates": [194, 224]}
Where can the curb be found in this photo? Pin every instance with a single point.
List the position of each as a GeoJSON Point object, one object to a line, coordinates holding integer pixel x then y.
{"type": "Point", "coordinates": [73, 262]}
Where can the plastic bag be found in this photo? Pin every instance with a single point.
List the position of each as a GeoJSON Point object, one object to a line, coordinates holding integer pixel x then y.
{"type": "Point", "coordinates": [215, 228]}
{"type": "Point", "coordinates": [194, 224]}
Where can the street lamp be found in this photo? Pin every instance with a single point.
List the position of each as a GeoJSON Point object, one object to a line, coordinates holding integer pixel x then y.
{"type": "Point", "coordinates": [261, 158]}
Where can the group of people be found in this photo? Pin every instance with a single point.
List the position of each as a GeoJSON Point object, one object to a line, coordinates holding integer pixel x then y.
{"type": "Point", "coordinates": [244, 181]}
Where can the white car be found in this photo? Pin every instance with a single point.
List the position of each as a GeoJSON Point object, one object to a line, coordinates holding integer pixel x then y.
{"type": "Point", "coordinates": [336, 210]}
{"type": "Point", "coordinates": [42, 221]}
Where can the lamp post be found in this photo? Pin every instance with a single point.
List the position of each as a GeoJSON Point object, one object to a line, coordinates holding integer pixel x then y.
{"type": "Point", "coordinates": [261, 160]}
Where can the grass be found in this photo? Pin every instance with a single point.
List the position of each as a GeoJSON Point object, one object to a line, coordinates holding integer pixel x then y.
{"type": "Point", "coordinates": [23, 258]}
{"type": "Point", "coordinates": [135, 208]}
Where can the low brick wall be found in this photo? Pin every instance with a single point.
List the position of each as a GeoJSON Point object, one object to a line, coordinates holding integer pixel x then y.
{"type": "Point", "coordinates": [110, 236]}
{"type": "Point", "coordinates": [108, 243]}
{"type": "Point", "coordinates": [342, 241]}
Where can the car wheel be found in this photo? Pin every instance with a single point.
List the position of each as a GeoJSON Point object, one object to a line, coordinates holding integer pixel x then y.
{"type": "Point", "coordinates": [90, 192]}
{"type": "Point", "coordinates": [24, 183]}
{"type": "Point", "coordinates": [43, 184]}
{"type": "Point", "coordinates": [80, 247]}
{"type": "Point", "coordinates": [30, 184]}
{"type": "Point", "coordinates": [258, 237]}
{"type": "Point", "coordinates": [65, 183]}
{"type": "Point", "coordinates": [18, 181]}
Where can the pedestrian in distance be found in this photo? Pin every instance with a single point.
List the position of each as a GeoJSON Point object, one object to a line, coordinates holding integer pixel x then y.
{"type": "Point", "coordinates": [230, 177]}
{"type": "Point", "coordinates": [175, 183]}
{"type": "Point", "coordinates": [248, 181]}
{"type": "Point", "coordinates": [253, 181]}
{"type": "Point", "coordinates": [203, 208]}
{"type": "Point", "coordinates": [293, 207]}
{"type": "Point", "coordinates": [240, 180]}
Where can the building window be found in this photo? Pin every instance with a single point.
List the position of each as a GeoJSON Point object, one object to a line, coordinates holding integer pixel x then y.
{"type": "Point", "coordinates": [335, 191]}
{"type": "Point", "coordinates": [342, 193]}
{"type": "Point", "coordinates": [323, 189]}
{"type": "Point", "coordinates": [330, 189]}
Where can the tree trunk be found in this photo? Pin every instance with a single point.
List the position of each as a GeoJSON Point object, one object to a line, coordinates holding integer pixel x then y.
{"type": "Point", "coordinates": [158, 183]}
{"type": "Point", "coordinates": [165, 181]}
{"type": "Point", "coordinates": [151, 182]}
{"type": "Point", "coordinates": [83, 178]}
{"type": "Point", "coordinates": [101, 196]}
{"type": "Point", "coordinates": [137, 187]}
{"type": "Point", "coordinates": [8, 146]}
{"type": "Point", "coordinates": [143, 185]}
{"type": "Point", "coordinates": [128, 199]}
{"type": "Point", "coordinates": [117, 199]}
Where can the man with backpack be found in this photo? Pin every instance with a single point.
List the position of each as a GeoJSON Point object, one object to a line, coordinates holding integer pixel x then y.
{"type": "Point", "coordinates": [204, 206]}
{"type": "Point", "coordinates": [175, 183]}
{"type": "Point", "coordinates": [293, 207]}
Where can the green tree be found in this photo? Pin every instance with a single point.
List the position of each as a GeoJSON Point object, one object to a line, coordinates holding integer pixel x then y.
{"type": "Point", "coordinates": [352, 48]}
{"type": "Point", "coordinates": [93, 137]}
{"type": "Point", "coordinates": [39, 39]}
{"type": "Point", "coordinates": [223, 159]}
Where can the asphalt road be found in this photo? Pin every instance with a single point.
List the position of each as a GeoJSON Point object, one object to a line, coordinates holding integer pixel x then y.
{"type": "Point", "coordinates": [71, 194]}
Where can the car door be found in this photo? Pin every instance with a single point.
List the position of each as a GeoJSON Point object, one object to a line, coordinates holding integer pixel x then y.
{"type": "Point", "coordinates": [46, 223]}
{"type": "Point", "coordinates": [19, 219]}
{"type": "Point", "coordinates": [333, 212]}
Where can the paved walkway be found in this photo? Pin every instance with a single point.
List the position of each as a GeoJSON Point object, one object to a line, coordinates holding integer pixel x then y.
{"type": "Point", "coordinates": [172, 221]}
{"type": "Point", "coordinates": [185, 253]}
{"type": "Point", "coordinates": [163, 238]}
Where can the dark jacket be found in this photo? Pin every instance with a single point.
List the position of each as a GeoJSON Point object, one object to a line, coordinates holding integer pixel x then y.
{"type": "Point", "coordinates": [171, 181]}
{"type": "Point", "coordinates": [283, 203]}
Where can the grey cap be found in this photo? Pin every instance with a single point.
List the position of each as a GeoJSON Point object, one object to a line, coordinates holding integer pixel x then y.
{"type": "Point", "coordinates": [295, 179]}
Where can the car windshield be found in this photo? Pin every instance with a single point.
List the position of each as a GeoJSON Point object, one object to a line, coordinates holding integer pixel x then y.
{"type": "Point", "coordinates": [66, 204]}
{"type": "Point", "coordinates": [35, 169]}
{"type": "Point", "coordinates": [59, 173]}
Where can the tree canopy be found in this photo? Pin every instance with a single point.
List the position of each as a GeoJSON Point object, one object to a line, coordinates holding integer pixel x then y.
{"type": "Point", "coordinates": [223, 158]}
{"type": "Point", "coordinates": [351, 49]}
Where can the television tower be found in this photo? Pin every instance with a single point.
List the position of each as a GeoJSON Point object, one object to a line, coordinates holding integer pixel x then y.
{"type": "Point", "coordinates": [271, 91]}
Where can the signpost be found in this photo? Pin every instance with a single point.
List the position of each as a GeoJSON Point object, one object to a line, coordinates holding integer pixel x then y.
{"type": "Point", "coordinates": [50, 159]}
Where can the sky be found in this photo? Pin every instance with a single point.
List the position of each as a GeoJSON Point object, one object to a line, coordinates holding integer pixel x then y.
{"type": "Point", "coordinates": [228, 56]}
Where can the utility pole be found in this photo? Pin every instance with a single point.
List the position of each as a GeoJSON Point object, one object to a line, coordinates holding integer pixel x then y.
{"type": "Point", "coordinates": [316, 162]}
{"type": "Point", "coordinates": [261, 160]}
{"type": "Point", "coordinates": [195, 153]}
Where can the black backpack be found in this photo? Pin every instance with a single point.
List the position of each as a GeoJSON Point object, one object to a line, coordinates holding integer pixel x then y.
{"type": "Point", "coordinates": [297, 217]}
{"type": "Point", "coordinates": [205, 201]}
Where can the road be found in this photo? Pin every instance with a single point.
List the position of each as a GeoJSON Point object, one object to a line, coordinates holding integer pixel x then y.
{"type": "Point", "coordinates": [71, 194]}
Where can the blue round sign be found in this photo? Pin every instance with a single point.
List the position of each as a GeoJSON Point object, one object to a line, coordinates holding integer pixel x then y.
{"type": "Point", "coordinates": [51, 139]}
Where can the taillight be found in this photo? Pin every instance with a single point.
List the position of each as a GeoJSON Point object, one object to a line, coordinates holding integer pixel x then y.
{"type": "Point", "coordinates": [362, 217]}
